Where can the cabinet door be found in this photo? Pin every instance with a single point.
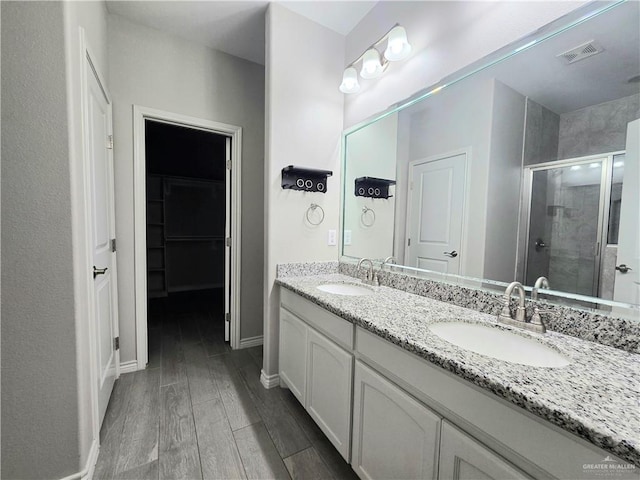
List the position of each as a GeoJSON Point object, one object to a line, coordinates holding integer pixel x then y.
{"type": "Point", "coordinates": [394, 435]}
{"type": "Point", "coordinates": [463, 458]}
{"type": "Point", "coordinates": [293, 353]}
{"type": "Point", "coordinates": [329, 374]}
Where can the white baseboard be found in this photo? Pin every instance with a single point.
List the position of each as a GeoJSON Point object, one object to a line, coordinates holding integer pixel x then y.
{"type": "Point", "coordinates": [269, 381]}
{"type": "Point", "coordinates": [128, 367]}
{"type": "Point", "coordinates": [87, 472]}
{"type": "Point", "coordinates": [251, 341]}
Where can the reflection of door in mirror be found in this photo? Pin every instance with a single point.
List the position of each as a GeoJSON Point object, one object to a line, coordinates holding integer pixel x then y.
{"type": "Point", "coordinates": [436, 212]}
{"type": "Point", "coordinates": [627, 273]}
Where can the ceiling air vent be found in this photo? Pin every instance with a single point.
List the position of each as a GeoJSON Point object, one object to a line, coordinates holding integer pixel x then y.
{"type": "Point", "coordinates": [580, 52]}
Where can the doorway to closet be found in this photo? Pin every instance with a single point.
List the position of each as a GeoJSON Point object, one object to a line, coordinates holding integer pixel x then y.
{"type": "Point", "coordinates": [187, 236]}
{"type": "Point", "coordinates": [186, 183]}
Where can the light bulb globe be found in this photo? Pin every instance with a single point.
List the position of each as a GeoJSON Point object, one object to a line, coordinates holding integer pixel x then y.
{"type": "Point", "coordinates": [398, 48]}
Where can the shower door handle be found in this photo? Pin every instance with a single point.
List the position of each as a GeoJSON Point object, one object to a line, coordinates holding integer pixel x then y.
{"type": "Point", "coordinates": [539, 244]}
{"type": "Point", "coordinates": [622, 268]}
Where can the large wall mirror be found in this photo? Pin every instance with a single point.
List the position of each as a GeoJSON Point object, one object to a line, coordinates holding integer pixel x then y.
{"type": "Point", "coordinates": [526, 167]}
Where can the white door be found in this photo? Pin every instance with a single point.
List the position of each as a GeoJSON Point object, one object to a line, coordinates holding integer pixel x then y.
{"type": "Point", "coordinates": [100, 162]}
{"type": "Point", "coordinates": [436, 205]}
{"type": "Point", "coordinates": [394, 436]}
{"type": "Point", "coordinates": [627, 281]}
{"type": "Point", "coordinates": [227, 245]}
{"type": "Point", "coordinates": [463, 458]}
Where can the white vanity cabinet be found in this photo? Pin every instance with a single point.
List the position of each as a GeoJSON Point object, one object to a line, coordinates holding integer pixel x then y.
{"type": "Point", "coordinates": [464, 458]}
{"type": "Point", "coordinates": [411, 418]}
{"type": "Point", "coordinates": [316, 364]}
{"type": "Point", "coordinates": [394, 436]}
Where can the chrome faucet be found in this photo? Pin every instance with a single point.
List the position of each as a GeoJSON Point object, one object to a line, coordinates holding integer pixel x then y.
{"type": "Point", "coordinates": [505, 315]}
{"type": "Point", "coordinates": [369, 277]}
{"type": "Point", "coordinates": [391, 260]}
{"type": "Point", "coordinates": [541, 282]}
{"type": "Point", "coordinates": [535, 325]}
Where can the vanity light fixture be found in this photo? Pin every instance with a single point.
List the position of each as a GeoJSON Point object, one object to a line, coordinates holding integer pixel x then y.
{"type": "Point", "coordinates": [373, 64]}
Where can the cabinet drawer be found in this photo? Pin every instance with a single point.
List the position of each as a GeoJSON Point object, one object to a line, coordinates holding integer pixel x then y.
{"type": "Point", "coordinates": [338, 329]}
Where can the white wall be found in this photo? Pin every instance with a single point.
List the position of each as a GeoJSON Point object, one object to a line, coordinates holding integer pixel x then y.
{"type": "Point", "coordinates": [47, 408]}
{"type": "Point", "coordinates": [303, 127]}
{"type": "Point", "coordinates": [153, 69]}
{"type": "Point", "coordinates": [371, 152]}
{"type": "Point", "coordinates": [445, 36]}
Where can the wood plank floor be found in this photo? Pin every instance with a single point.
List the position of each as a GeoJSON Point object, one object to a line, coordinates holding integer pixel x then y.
{"type": "Point", "coordinates": [199, 411]}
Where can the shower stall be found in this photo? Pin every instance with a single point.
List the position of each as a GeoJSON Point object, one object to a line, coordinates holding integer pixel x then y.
{"type": "Point", "coordinates": [572, 214]}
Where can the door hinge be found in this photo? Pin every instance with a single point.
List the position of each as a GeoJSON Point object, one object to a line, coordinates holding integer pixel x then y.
{"type": "Point", "coordinates": [116, 343]}
{"type": "Point", "coordinates": [408, 242]}
{"type": "Point", "coordinates": [227, 317]}
{"type": "Point", "coordinates": [411, 186]}
{"type": "Point", "coordinates": [228, 164]}
{"type": "Point", "coordinates": [227, 241]}
{"type": "Point", "coordinates": [110, 142]}
{"type": "Point", "coordinates": [113, 244]}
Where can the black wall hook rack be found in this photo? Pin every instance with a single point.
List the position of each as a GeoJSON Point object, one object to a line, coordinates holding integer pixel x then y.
{"type": "Point", "coordinates": [305, 179]}
{"type": "Point", "coordinates": [373, 187]}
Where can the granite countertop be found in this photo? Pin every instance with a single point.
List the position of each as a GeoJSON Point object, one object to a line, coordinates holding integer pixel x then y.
{"type": "Point", "coordinates": [596, 396]}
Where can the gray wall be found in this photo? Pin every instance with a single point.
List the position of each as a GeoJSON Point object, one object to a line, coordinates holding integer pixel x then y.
{"type": "Point", "coordinates": [39, 373]}
{"type": "Point", "coordinates": [541, 134]}
{"type": "Point", "coordinates": [597, 129]}
{"type": "Point", "coordinates": [153, 69]}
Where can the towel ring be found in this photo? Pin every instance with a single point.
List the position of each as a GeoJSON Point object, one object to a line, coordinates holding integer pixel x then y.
{"type": "Point", "coordinates": [312, 209]}
{"type": "Point", "coordinates": [366, 210]}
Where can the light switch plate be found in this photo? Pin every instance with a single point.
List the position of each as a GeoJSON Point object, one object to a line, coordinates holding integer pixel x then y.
{"type": "Point", "coordinates": [347, 237]}
{"type": "Point", "coordinates": [331, 240]}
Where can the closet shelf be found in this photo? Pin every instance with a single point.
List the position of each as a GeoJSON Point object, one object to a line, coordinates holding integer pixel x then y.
{"type": "Point", "coordinates": [192, 238]}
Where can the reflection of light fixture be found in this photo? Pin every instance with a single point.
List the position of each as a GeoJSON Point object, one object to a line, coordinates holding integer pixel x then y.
{"type": "Point", "coordinates": [372, 63]}
{"type": "Point", "coordinates": [350, 81]}
{"type": "Point", "coordinates": [576, 167]}
{"type": "Point", "coordinates": [594, 165]}
{"type": "Point", "coordinates": [618, 163]}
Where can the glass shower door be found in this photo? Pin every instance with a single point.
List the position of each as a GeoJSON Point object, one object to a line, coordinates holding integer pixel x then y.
{"type": "Point", "coordinates": [563, 242]}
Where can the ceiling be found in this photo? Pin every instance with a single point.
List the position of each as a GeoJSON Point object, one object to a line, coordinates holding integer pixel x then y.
{"type": "Point", "coordinates": [234, 27]}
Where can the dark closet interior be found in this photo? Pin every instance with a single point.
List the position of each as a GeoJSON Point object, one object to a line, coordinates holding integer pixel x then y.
{"type": "Point", "coordinates": [186, 211]}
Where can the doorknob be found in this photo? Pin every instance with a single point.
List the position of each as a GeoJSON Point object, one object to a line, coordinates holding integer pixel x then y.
{"type": "Point", "coordinates": [452, 254]}
{"type": "Point", "coordinates": [622, 268]}
{"type": "Point", "coordinates": [99, 271]}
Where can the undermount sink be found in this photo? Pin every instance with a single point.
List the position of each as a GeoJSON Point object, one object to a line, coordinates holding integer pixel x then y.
{"type": "Point", "coordinates": [348, 289]}
{"type": "Point", "coordinates": [498, 343]}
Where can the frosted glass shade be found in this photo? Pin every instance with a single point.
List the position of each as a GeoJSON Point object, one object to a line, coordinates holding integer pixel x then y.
{"type": "Point", "coordinates": [398, 47]}
{"type": "Point", "coordinates": [371, 65]}
{"type": "Point", "coordinates": [349, 81]}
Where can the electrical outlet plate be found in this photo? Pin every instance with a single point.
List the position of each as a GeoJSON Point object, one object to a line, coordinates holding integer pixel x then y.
{"type": "Point", "coordinates": [331, 240]}
{"type": "Point", "coordinates": [347, 237]}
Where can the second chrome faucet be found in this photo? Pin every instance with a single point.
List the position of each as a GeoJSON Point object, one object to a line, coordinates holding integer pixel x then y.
{"type": "Point", "coordinates": [535, 324]}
